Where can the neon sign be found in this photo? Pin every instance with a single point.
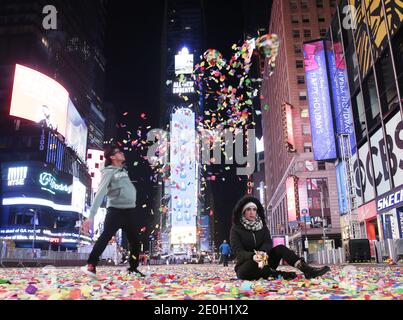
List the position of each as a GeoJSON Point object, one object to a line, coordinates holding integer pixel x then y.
{"type": "Point", "coordinates": [48, 181]}
{"type": "Point", "coordinates": [17, 176]}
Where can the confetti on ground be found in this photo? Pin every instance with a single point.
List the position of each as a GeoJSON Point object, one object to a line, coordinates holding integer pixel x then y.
{"type": "Point", "coordinates": [199, 282]}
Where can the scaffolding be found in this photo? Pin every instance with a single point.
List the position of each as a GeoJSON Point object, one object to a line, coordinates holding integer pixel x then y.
{"type": "Point", "coordinates": [354, 231]}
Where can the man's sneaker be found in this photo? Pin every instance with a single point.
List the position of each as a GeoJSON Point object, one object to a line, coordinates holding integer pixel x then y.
{"type": "Point", "coordinates": [135, 271]}
{"type": "Point", "coordinates": [90, 270]}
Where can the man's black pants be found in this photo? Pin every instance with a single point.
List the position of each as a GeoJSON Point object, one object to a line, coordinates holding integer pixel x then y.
{"type": "Point", "coordinates": [116, 219]}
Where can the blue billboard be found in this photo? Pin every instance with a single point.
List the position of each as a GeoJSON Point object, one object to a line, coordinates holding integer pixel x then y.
{"type": "Point", "coordinates": [204, 233]}
{"type": "Point", "coordinates": [320, 109]}
{"type": "Point", "coordinates": [341, 96]}
{"type": "Point", "coordinates": [341, 189]}
{"type": "Point", "coordinates": [183, 177]}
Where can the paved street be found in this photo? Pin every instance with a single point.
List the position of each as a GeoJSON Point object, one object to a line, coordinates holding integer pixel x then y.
{"type": "Point", "coordinates": [199, 282]}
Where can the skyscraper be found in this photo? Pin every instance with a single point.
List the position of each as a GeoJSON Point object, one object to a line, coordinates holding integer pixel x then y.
{"type": "Point", "coordinates": [293, 178]}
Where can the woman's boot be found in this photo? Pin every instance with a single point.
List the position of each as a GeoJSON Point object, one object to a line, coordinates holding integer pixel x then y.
{"type": "Point", "coordinates": [309, 271]}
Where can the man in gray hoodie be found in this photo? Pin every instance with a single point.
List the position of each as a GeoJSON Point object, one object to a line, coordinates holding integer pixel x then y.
{"type": "Point", "coordinates": [121, 202]}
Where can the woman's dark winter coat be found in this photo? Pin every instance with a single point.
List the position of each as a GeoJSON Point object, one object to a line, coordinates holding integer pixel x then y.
{"type": "Point", "coordinates": [244, 242]}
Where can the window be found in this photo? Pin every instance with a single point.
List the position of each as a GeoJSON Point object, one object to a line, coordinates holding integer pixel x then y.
{"type": "Point", "coordinates": [302, 95]}
{"type": "Point", "coordinates": [97, 165]}
{"type": "Point", "coordinates": [306, 130]}
{"type": "Point", "coordinates": [297, 49]}
{"type": "Point", "coordinates": [293, 5]}
{"type": "Point", "coordinates": [92, 174]}
{"type": "Point", "coordinates": [299, 64]}
{"type": "Point", "coordinates": [304, 113]}
{"type": "Point", "coordinates": [332, 3]}
{"type": "Point", "coordinates": [386, 82]}
{"type": "Point", "coordinates": [397, 44]}
{"type": "Point", "coordinates": [301, 79]}
{"type": "Point", "coordinates": [321, 165]}
{"type": "Point", "coordinates": [323, 32]}
{"type": "Point", "coordinates": [295, 34]}
{"type": "Point", "coordinates": [321, 18]}
{"type": "Point", "coordinates": [371, 101]}
{"type": "Point", "coordinates": [305, 19]}
{"type": "Point", "coordinates": [308, 147]}
{"type": "Point", "coordinates": [304, 4]}
{"type": "Point", "coordinates": [294, 20]}
{"type": "Point", "coordinates": [101, 158]}
{"type": "Point", "coordinates": [90, 156]}
{"type": "Point", "coordinates": [307, 33]}
{"type": "Point", "coordinates": [359, 116]}
{"type": "Point", "coordinates": [319, 3]}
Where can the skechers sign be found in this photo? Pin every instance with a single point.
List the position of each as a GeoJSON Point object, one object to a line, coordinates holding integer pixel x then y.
{"type": "Point", "coordinates": [49, 184]}
{"type": "Point", "coordinates": [390, 200]}
{"type": "Point", "coordinates": [320, 112]}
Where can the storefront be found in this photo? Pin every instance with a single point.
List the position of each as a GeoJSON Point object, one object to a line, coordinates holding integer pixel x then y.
{"type": "Point", "coordinates": [41, 206]}
{"type": "Point", "coordinates": [390, 209]}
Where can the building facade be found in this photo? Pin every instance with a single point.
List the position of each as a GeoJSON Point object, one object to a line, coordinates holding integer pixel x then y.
{"type": "Point", "coordinates": [373, 49]}
{"type": "Point", "coordinates": [293, 179]}
{"type": "Point", "coordinates": [52, 80]}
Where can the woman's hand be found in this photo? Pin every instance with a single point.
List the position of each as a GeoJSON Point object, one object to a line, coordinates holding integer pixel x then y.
{"type": "Point", "coordinates": [260, 258]}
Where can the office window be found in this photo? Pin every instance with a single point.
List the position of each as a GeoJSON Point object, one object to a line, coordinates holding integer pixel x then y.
{"type": "Point", "coordinates": [332, 3]}
{"type": "Point", "coordinates": [307, 33]}
{"type": "Point", "coordinates": [308, 147]}
{"type": "Point", "coordinates": [319, 3]}
{"type": "Point", "coordinates": [305, 19]}
{"type": "Point", "coordinates": [359, 116]}
{"type": "Point", "coordinates": [301, 79]}
{"type": "Point", "coordinates": [299, 64]}
{"type": "Point", "coordinates": [370, 94]}
{"type": "Point", "coordinates": [295, 34]}
{"type": "Point", "coordinates": [304, 113]}
{"type": "Point", "coordinates": [293, 5]}
{"type": "Point", "coordinates": [297, 49]}
{"type": "Point", "coordinates": [397, 45]}
{"type": "Point", "coordinates": [97, 165]}
{"type": "Point", "coordinates": [302, 95]}
{"type": "Point", "coordinates": [306, 130]}
{"type": "Point", "coordinates": [323, 32]}
{"type": "Point", "coordinates": [90, 156]}
{"type": "Point", "coordinates": [321, 18]}
{"type": "Point", "coordinates": [321, 165]}
{"type": "Point", "coordinates": [386, 82]}
{"type": "Point", "coordinates": [304, 4]}
{"type": "Point", "coordinates": [294, 20]}
{"type": "Point", "coordinates": [101, 158]}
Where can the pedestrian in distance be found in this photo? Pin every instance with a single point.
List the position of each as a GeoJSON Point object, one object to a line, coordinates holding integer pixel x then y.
{"type": "Point", "coordinates": [225, 251]}
{"type": "Point", "coordinates": [253, 247]}
{"type": "Point", "coordinates": [121, 202]}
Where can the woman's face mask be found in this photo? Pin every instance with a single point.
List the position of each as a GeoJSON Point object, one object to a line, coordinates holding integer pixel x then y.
{"type": "Point", "coordinates": [250, 213]}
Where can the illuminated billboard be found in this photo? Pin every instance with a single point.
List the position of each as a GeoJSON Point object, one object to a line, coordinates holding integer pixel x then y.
{"type": "Point", "coordinates": [320, 110]}
{"type": "Point", "coordinates": [79, 192]}
{"type": "Point", "coordinates": [183, 177]}
{"type": "Point", "coordinates": [292, 199]}
{"type": "Point", "coordinates": [76, 131]}
{"type": "Point", "coordinates": [39, 98]}
{"type": "Point", "coordinates": [184, 62]}
{"type": "Point", "coordinates": [341, 95]}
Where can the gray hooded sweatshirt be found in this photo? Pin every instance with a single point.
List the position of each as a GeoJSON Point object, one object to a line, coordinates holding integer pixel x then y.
{"type": "Point", "coordinates": [116, 185]}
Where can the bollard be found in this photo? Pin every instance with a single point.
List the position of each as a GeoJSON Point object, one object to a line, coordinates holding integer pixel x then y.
{"type": "Point", "coordinates": [334, 256]}
{"type": "Point", "coordinates": [391, 249]}
{"type": "Point", "coordinates": [340, 253]}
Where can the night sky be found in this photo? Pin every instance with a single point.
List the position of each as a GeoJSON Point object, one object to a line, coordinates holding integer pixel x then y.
{"type": "Point", "coordinates": [133, 81]}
